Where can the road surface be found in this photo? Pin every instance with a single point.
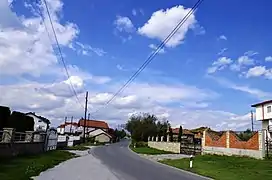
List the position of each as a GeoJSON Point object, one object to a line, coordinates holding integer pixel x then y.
{"type": "Point", "coordinates": [127, 165]}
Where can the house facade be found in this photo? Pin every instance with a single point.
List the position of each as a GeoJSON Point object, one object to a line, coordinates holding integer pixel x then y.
{"type": "Point", "coordinates": [92, 125]}
{"type": "Point", "coordinates": [68, 128]}
{"type": "Point", "coordinates": [40, 123]}
{"type": "Point", "coordinates": [263, 112]}
{"type": "Point", "coordinates": [100, 135]}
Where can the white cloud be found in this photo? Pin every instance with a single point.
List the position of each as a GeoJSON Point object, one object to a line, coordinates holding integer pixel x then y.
{"type": "Point", "coordinates": [268, 58]}
{"type": "Point", "coordinates": [162, 22]}
{"type": "Point", "coordinates": [222, 51]}
{"type": "Point", "coordinates": [134, 12]}
{"type": "Point", "coordinates": [154, 48]}
{"type": "Point", "coordinates": [219, 64]}
{"type": "Point", "coordinates": [257, 93]}
{"type": "Point", "coordinates": [259, 71]}
{"type": "Point", "coordinates": [251, 53]}
{"type": "Point", "coordinates": [86, 49]}
{"type": "Point", "coordinates": [124, 24]}
{"type": "Point", "coordinates": [223, 37]}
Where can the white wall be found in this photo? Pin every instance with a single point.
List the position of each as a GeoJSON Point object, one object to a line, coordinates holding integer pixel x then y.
{"type": "Point", "coordinates": [38, 125]}
{"type": "Point", "coordinates": [60, 130]}
{"type": "Point", "coordinates": [260, 114]}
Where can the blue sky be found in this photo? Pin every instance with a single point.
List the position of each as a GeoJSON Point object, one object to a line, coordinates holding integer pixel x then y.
{"type": "Point", "coordinates": [209, 74]}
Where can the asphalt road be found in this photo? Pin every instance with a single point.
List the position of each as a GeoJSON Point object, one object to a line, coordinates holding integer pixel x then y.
{"type": "Point", "coordinates": [127, 165]}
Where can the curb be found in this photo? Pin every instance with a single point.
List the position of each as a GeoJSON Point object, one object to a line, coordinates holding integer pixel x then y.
{"type": "Point", "coordinates": [184, 171]}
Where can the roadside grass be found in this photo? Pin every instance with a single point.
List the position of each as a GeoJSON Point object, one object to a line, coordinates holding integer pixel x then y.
{"type": "Point", "coordinates": [148, 150]}
{"type": "Point", "coordinates": [226, 167]}
{"type": "Point", "coordinates": [25, 167]}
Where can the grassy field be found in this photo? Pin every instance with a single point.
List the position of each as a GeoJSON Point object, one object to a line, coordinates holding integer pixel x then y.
{"type": "Point", "coordinates": [225, 167]}
{"type": "Point", "coordinates": [22, 168]}
{"type": "Point", "coordinates": [148, 150]}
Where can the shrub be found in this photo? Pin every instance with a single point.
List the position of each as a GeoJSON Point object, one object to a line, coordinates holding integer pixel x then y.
{"type": "Point", "coordinates": [141, 144]}
{"type": "Point", "coordinates": [4, 116]}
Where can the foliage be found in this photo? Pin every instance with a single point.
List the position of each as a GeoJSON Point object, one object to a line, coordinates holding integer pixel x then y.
{"type": "Point", "coordinates": [118, 135]}
{"type": "Point", "coordinates": [20, 122]}
{"type": "Point", "coordinates": [246, 135]}
{"type": "Point", "coordinates": [4, 116]}
{"type": "Point", "coordinates": [171, 139]}
{"type": "Point", "coordinates": [144, 125]}
{"type": "Point", "coordinates": [149, 150]}
{"type": "Point", "coordinates": [180, 134]}
{"type": "Point", "coordinates": [226, 167]}
{"type": "Point", "coordinates": [24, 167]}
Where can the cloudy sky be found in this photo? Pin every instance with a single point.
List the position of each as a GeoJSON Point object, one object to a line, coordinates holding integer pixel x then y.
{"type": "Point", "coordinates": [208, 74]}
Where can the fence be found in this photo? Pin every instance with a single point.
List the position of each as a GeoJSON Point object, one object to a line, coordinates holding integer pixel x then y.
{"type": "Point", "coordinates": [229, 143]}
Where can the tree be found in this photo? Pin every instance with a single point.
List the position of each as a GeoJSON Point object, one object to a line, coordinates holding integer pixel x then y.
{"type": "Point", "coordinates": [20, 122]}
{"type": "Point", "coordinates": [179, 134]}
{"type": "Point", "coordinates": [142, 126]}
{"type": "Point", "coordinates": [170, 134]}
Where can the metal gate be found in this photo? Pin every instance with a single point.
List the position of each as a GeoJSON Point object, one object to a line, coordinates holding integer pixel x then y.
{"type": "Point", "coordinates": [268, 142]}
{"type": "Point", "coordinates": [190, 145]}
{"type": "Point", "coordinates": [51, 140]}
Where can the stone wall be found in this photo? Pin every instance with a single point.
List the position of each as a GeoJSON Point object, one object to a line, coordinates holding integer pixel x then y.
{"type": "Point", "coordinates": [166, 146]}
{"type": "Point", "coordinates": [21, 148]}
{"type": "Point", "coordinates": [229, 144]}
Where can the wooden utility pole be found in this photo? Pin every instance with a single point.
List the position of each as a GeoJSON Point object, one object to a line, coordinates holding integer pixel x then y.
{"type": "Point", "coordinates": [252, 128]}
{"type": "Point", "coordinates": [86, 104]}
{"type": "Point", "coordinates": [88, 119]}
{"type": "Point", "coordinates": [71, 124]}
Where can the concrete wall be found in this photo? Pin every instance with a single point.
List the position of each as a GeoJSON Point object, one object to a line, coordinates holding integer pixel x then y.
{"type": "Point", "coordinates": [102, 138]}
{"type": "Point", "coordinates": [166, 146]}
{"type": "Point", "coordinates": [24, 148]}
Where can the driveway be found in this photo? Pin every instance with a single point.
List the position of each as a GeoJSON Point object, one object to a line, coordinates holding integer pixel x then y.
{"type": "Point", "coordinates": [127, 165]}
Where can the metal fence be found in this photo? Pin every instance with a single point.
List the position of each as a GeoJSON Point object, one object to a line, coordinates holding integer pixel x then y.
{"type": "Point", "coordinates": [19, 136]}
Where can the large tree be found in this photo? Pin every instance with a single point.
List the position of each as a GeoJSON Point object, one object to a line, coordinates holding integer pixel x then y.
{"type": "Point", "coordinates": [142, 126]}
{"type": "Point", "coordinates": [180, 134]}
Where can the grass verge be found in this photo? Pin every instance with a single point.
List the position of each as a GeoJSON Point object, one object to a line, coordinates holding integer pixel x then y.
{"type": "Point", "coordinates": [148, 150]}
{"type": "Point", "coordinates": [24, 167]}
{"type": "Point", "coordinates": [226, 167]}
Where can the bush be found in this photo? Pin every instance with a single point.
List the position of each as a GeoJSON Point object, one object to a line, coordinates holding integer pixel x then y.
{"type": "Point", "coordinates": [4, 116]}
{"type": "Point", "coordinates": [140, 144]}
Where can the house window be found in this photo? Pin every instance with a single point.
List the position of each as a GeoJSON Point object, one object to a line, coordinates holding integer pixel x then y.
{"type": "Point", "coordinates": [268, 109]}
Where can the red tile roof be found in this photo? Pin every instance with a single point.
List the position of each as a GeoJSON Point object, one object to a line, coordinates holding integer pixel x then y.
{"type": "Point", "coordinates": [68, 123]}
{"type": "Point", "coordinates": [94, 124]}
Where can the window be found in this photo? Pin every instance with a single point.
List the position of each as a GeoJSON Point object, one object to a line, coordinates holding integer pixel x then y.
{"type": "Point", "coordinates": [268, 109]}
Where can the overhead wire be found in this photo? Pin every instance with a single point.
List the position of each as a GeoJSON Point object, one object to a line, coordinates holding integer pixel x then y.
{"type": "Point", "coordinates": [60, 55]}
{"type": "Point", "coordinates": [153, 55]}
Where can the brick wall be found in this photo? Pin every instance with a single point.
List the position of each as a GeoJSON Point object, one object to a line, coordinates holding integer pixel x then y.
{"type": "Point", "coordinates": [215, 140]}
{"type": "Point", "coordinates": [24, 148]}
{"type": "Point", "coordinates": [252, 143]}
{"type": "Point", "coordinates": [230, 144]}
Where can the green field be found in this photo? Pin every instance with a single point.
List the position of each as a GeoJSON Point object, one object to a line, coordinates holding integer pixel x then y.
{"type": "Point", "coordinates": [24, 167]}
{"type": "Point", "coordinates": [226, 167]}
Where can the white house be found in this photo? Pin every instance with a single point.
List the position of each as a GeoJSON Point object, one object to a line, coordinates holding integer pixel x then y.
{"type": "Point", "coordinates": [100, 135]}
{"type": "Point", "coordinates": [68, 127]}
{"type": "Point", "coordinates": [263, 111]}
{"type": "Point", "coordinates": [40, 123]}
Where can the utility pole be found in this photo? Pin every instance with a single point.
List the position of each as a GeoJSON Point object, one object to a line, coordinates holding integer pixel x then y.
{"type": "Point", "coordinates": [88, 119]}
{"type": "Point", "coordinates": [85, 114]}
{"type": "Point", "coordinates": [64, 124]}
{"type": "Point", "coordinates": [71, 124]}
{"type": "Point", "coordinates": [252, 128]}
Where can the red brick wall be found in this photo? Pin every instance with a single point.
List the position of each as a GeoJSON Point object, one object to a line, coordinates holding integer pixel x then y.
{"type": "Point", "coordinates": [252, 143]}
{"type": "Point", "coordinates": [209, 141]}
{"type": "Point", "coordinates": [234, 142]}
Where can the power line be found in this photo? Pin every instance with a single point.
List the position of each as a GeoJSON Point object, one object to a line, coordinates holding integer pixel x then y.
{"type": "Point", "coordinates": [153, 55]}
{"type": "Point", "coordinates": [60, 52]}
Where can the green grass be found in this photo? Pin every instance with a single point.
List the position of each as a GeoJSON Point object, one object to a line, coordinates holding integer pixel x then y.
{"type": "Point", "coordinates": [24, 167]}
{"type": "Point", "coordinates": [226, 167]}
{"type": "Point", "coordinates": [148, 150]}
